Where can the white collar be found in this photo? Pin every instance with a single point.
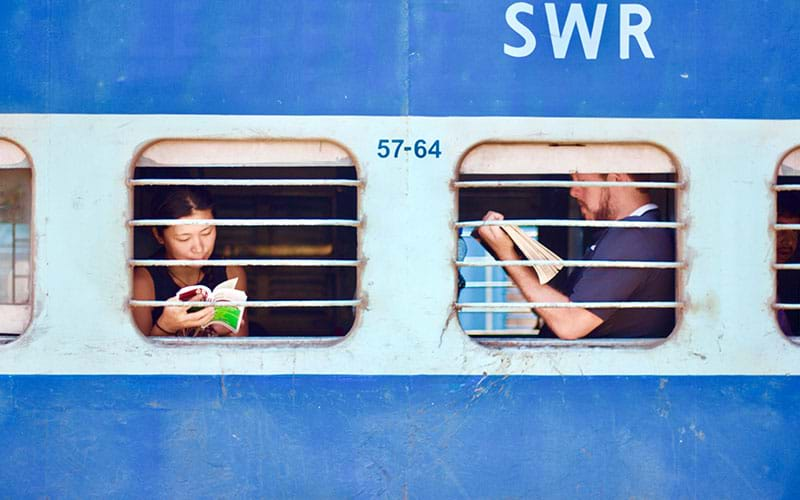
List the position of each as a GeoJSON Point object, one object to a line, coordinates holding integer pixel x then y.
{"type": "Point", "coordinates": [636, 213]}
{"type": "Point", "coordinates": [643, 209]}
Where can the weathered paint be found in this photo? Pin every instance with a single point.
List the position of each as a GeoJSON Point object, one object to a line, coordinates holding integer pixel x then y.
{"type": "Point", "coordinates": [406, 405]}
{"type": "Point", "coordinates": [727, 325]}
{"type": "Point", "coordinates": [392, 58]}
{"type": "Point", "coordinates": [399, 437]}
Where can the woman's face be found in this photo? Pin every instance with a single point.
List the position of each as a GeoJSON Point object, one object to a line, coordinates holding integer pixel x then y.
{"type": "Point", "coordinates": [190, 241]}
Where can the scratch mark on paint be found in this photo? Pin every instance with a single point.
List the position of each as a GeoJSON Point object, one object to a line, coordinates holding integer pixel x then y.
{"type": "Point", "coordinates": [447, 323]}
{"type": "Point", "coordinates": [738, 471]}
{"type": "Point", "coordinates": [453, 479]}
{"type": "Point", "coordinates": [697, 432]}
{"type": "Point", "coordinates": [478, 392]}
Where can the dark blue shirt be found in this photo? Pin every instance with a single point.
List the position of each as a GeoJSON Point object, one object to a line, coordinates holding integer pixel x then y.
{"type": "Point", "coordinates": [597, 284]}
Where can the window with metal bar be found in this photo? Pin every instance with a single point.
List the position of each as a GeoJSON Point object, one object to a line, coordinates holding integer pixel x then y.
{"type": "Point", "coordinates": [15, 240]}
{"type": "Point", "coordinates": [607, 210]}
{"type": "Point", "coordinates": [787, 257]}
{"type": "Point", "coordinates": [286, 212]}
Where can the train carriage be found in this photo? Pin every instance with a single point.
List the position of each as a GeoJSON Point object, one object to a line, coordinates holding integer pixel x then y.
{"type": "Point", "coordinates": [351, 145]}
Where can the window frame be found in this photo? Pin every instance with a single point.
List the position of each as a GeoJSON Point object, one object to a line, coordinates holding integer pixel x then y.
{"type": "Point", "coordinates": [520, 163]}
{"type": "Point", "coordinates": [297, 152]}
{"type": "Point", "coordinates": [788, 166]}
{"type": "Point", "coordinates": [20, 315]}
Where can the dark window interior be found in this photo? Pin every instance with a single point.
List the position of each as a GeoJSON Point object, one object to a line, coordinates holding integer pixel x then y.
{"type": "Point", "coordinates": [268, 282]}
{"type": "Point", "coordinates": [546, 203]}
{"type": "Point", "coordinates": [788, 280]}
{"type": "Point", "coordinates": [543, 203]}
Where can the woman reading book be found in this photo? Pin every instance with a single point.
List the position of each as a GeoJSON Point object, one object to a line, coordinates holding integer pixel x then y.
{"type": "Point", "coordinates": [183, 242]}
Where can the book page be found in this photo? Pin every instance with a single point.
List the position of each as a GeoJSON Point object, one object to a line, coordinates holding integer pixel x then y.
{"type": "Point", "coordinates": [533, 249]}
{"type": "Point", "coordinates": [229, 295]}
{"type": "Point", "coordinates": [229, 317]}
{"type": "Point", "coordinates": [231, 283]}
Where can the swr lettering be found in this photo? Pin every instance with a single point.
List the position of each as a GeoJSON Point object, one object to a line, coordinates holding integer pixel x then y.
{"type": "Point", "coordinates": [634, 21]}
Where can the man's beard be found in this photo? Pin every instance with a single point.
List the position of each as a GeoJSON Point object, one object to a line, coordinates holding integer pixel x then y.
{"type": "Point", "coordinates": [604, 212]}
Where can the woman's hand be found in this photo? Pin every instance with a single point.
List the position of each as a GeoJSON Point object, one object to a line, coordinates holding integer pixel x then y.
{"type": "Point", "coordinates": [496, 238]}
{"type": "Point", "coordinates": [178, 317]}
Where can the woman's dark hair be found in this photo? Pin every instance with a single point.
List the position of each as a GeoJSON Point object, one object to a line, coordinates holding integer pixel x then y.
{"type": "Point", "coordinates": [180, 202]}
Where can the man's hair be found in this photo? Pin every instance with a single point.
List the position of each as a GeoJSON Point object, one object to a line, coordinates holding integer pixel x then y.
{"type": "Point", "coordinates": [639, 177]}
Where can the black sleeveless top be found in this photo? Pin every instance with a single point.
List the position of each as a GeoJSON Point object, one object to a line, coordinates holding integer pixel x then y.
{"type": "Point", "coordinates": [166, 288]}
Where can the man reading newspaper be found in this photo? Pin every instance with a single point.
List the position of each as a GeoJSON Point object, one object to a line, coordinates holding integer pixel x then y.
{"type": "Point", "coordinates": [594, 284]}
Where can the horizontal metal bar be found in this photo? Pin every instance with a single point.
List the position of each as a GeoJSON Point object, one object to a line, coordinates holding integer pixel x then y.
{"type": "Point", "coordinates": [489, 284]}
{"type": "Point", "coordinates": [267, 164]}
{"type": "Point", "coordinates": [248, 182]}
{"type": "Point", "coordinates": [271, 340]}
{"type": "Point", "coordinates": [786, 267]}
{"type": "Point", "coordinates": [262, 304]}
{"type": "Point", "coordinates": [245, 262]}
{"type": "Point", "coordinates": [790, 307]}
{"type": "Point", "coordinates": [571, 223]}
{"type": "Point", "coordinates": [519, 306]}
{"type": "Point", "coordinates": [555, 342]}
{"type": "Point", "coordinates": [617, 264]}
{"type": "Point", "coordinates": [24, 164]}
{"type": "Point", "coordinates": [247, 222]}
{"type": "Point", "coordinates": [517, 332]}
{"type": "Point", "coordinates": [566, 184]}
{"type": "Point", "coordinates": [786, 227]}
{"type": "Point", "coordinates": [786, 187]}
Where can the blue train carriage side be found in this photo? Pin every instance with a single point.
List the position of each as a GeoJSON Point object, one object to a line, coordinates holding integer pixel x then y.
{"type": "Point", "coordinates": [346, 163]}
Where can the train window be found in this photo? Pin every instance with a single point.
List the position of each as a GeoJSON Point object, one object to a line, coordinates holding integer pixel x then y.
{"type": "Point", "coordinates": [15, 240]}
{"type": "Point", "coordinates": [786, 257]}
{"type": "Point", "coordinates": [607, 212]}
{"type": "Point", "coordinates": [285, 217]}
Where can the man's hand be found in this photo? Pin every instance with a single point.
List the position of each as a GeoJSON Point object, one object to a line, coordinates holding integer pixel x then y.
{"type": "Point", "coordinates": [496, 238]}
{"type": "Point", "coordinates": [572, 323]}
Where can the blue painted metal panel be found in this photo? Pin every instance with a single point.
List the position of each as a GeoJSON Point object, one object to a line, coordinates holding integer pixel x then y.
{"type": "Point", "coordinates": [388, 437]}
{"type": "Point", "coordinates": [420, 57]}
{"type": "Point", "coordinates": [712, 60]}
{"type": "Point", "coordinates": [233, 57]}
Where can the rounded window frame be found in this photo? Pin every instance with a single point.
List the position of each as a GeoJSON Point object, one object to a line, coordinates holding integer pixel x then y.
{"type": "Point", "coordinates": [290, 146]}
{"type": "Point", "coordinates": [14, 156]}
{"type": "Point", "coordinates": [667, 158]}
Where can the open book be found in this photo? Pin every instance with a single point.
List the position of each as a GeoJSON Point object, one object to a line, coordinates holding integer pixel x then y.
{"type": "Point", "coordinates": [531, 250]}
{"type": "Point", "coordinates": [228, 317]}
